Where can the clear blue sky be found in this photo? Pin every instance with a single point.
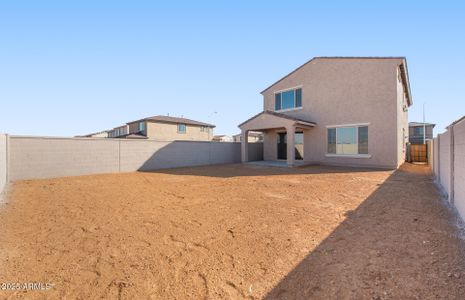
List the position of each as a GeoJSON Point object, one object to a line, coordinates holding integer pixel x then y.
{"type": "Point", "coordinates": [74, 67]}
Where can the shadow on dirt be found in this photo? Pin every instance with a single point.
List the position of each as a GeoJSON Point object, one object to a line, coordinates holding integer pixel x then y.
{"type": "Point", "coordinates": [398, 244]}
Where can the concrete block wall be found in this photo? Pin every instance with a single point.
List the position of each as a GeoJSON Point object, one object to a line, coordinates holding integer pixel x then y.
{"type": "Point", "coordinates": [46, 157]}
{"type": "Point", "coordinates": [435, 156]}
{"type": "Point", "coordinates": [444, 165]}
{"type": "Point", "coordinates": [43, 157]}
{"type": "Point", "coordinates": [449, 163]}
{"type": "Point", "coordinates": [255, 151]}
{"type": "Point", "coordinates": [3, 163]}
{"type": "Point", "coordinates": [459, 167]}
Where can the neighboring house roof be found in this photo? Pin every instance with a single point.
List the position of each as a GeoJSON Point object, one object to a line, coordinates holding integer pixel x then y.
{"type": "Point", "coordinates": [403, 68]}
{"type": "Point", "coordinates": [416, 124]}
{"type": "Point", "coordinates": [132, 136]}
{"type": "Point", "coordinates": [175, 120]}
{"type": "Point", "coordinates": [280, 115]}
{"type": "Point", "coordinates": [251, 133]}
{"type": "Point", "coordinates": [91, 134]}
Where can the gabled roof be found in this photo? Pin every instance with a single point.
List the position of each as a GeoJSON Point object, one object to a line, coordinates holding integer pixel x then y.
{"type": "Point", "coordinates": [176, 120]}
{"type": "Point", "coordinates": [279, 115]}
{"type": "Point", "coordinates": [403, 68]}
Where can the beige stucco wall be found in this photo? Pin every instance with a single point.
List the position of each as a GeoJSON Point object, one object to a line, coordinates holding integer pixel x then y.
{"type": "Point", "coordinates": [167, 131]}
{"type": "Point", "coordinates": [402, 121]}
{"type": "Point", "coordinates": [346, 91]}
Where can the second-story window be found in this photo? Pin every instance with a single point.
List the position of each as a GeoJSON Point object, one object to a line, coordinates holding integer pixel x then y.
{"type": "Point", "coordinates": [288, 99]}
{"type": "Point", "coordinates": [141, 126]}
{"type": "Point", "coordinates": [181, 128]}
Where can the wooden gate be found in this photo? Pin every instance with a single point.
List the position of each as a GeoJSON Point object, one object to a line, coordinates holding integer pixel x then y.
{"type": "Point", "coordinates": [419, 153]}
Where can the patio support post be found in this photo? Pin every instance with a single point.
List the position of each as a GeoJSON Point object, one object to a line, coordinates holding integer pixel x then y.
{"type": "Point", "coordinates": [290, 133]}
{"type": "Point", "coordinates": [244, 146]}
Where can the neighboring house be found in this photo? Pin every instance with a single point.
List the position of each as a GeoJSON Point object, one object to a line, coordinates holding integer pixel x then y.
{"type": "Point", "coordinates": [253, 137]}
{"type": "Point", "coordinates": [416, 130]}
{"type": "Point", "coordinates": [337, 110]}
{"type": "Point", "coordinates": [101, 134]}
{"type": "Point", "coordinates": [222, 138]}
{"type": "Point", "coordinates": [119, 131]}
{"type": "Point", "coordinates": [168, 128]}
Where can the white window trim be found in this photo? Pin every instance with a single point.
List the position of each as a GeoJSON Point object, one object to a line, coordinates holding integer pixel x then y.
{"type": "Point", "coordinates": [288, 89]}
{"type": "Point", "coordinates": [348, 125]}
{"type": "Point", "coordinates": [185, 128]}
{"type": "Point", "coordinates": [346, 155]}
{"type": "Point", "coordinates": [295, 99]}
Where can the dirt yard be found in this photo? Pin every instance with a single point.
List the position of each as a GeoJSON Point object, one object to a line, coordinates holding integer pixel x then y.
{"type": "Point", "coordinates": [233, 232]}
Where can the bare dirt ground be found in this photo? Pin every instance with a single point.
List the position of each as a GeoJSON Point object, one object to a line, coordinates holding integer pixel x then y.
{"type": "Point", "coordinates": [233, 232]}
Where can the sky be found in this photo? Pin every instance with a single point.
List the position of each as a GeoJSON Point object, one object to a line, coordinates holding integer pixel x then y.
{"type": "Point", "coordinates": [76, 67]}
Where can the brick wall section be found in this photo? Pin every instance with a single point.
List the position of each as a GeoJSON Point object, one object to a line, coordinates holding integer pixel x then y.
{"type": "Point", "coordinates": [459, 167]}
{"type": "Point", "coordinates": [3, 163]}
{"type": "Point", "coordinates": [44, 157]}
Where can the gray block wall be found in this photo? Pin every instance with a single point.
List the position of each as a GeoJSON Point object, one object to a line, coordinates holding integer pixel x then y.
{"type": "Point", "coordinates": [449, 164]}
{"type": "Point", "coordinates": [444, 165]}
{"type": "Point", "coordinates": [43, 157]}
{"type": "Point", "coordinates": [47, 157]}
{"type": "Point", "coordinates": [255, 151]}
{"type": "Point", "coordinates": [3, 163]}
{"type": "Point", "coordinates": [459, 168]}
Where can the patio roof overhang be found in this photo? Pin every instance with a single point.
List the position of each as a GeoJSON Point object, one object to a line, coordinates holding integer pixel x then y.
{"type": "Point", "coordinates": [273, 120]}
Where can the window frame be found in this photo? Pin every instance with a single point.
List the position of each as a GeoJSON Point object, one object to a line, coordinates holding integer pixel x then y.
{"type": "Point", "coordinates": [357, 126]}
{"type": "Point", "coordinates": [295, 88]}
{"type": "Point", "coordinates": [141, 126]}
{"type": "Point", "coordinates": [185, 128]}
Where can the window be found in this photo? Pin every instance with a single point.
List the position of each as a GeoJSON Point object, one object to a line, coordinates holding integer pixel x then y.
{"type": "Point", "coordinates": [350, 140]}
{"type": "Point", "coordinates": [418, 131]}
{"type": "Point", "coordinates": [181, 128]}
{"type": "Point", "coordinates": [141, 126]}
{"type": "Point", "coordinates": [203, 129]}
{"type": "Point", "coordinates": [289, 99]}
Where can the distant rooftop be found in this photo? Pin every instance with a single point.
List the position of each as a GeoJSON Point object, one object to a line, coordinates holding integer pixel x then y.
{"type": "Point", "coordinates": [168, 119]}
{"type": "Point", "coordinates": [416, 124]}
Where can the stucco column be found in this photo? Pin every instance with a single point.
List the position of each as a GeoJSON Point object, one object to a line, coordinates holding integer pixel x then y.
{"type": "Point", "coordinates": [290, 133]}
{"type": "Point", "coordinates": [244, 146]}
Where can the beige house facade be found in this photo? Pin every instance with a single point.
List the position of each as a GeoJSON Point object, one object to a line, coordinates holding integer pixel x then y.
{"type": "Point", "coordinates": [338, 111]}
{"type": "Point", "coordinates": [166, 128]}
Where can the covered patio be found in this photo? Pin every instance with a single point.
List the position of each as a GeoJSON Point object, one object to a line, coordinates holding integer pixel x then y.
{"type": "Point", "coordinates": [269, 120]}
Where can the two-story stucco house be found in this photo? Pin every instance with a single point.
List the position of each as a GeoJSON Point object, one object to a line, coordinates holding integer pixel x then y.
{"type": "Point", "coordinates": [168, 128]}
{"type": "Point", "coordinates": [338, 111]}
